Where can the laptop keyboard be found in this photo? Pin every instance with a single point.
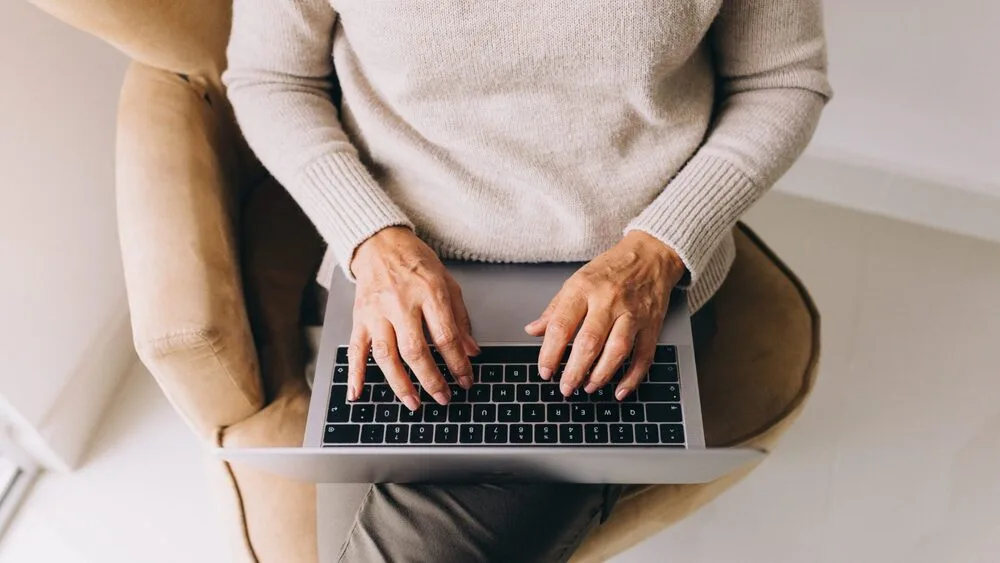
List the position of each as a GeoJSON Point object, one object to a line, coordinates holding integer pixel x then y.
{"type": "Point", "coordinates": [510, 405]}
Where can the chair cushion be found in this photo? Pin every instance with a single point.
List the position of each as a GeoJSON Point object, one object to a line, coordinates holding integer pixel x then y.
{"type": "Point", "coordinates": [754, 374]}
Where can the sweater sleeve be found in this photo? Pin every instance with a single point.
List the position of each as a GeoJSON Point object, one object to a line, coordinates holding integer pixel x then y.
{"type": "Point", "coordinates": [770, 58]}
{"type": "Point", "coordinates": [279, 81]}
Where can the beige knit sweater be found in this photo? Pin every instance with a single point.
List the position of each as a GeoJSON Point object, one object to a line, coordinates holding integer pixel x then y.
{"type": "Point", "coordinates": [530, 130]}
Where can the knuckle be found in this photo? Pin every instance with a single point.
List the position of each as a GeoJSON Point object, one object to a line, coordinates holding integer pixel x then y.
{"type": "Point", "coordinates": [381, 350]}
{"type": "Point", "coordinates": [446, 337]}
{"type": "Point", "coordinates": [587, 341]}
{"type": "Point", "coordinates": [413, 348]}
{"type": "Point", "coordinates": [560, 325]}
{"type": "Point", "coordinates": [617, 349]}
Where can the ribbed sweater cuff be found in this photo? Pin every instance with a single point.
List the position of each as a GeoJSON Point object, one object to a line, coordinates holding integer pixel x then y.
{"type": "Point", "coordinates": [697, 209]}
{"type": "Point", "coordinates": [347, 204]}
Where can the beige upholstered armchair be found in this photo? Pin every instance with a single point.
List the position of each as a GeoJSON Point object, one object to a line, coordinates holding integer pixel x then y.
{"type": "Point", "coordinates": [219, 262]}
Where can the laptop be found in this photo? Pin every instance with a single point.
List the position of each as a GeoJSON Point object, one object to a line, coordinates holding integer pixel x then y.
{"type": "Point", "coordinates": [511, 425]}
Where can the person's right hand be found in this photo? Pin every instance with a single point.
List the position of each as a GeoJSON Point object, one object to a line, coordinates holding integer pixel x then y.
{"type": "Point", "coordinates": [401, 285]}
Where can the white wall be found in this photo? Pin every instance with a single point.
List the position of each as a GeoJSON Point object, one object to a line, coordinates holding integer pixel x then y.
{"type": "Point", "coordinates": [917, 88]}
{"type": "Point", "coordinates": [62, 300]}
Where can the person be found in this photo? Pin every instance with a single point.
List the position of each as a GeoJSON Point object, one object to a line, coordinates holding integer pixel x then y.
{"type": "Point", "coordinates": [627, 134]}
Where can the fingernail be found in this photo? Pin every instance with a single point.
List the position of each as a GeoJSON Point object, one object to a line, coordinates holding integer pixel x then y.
{"type": "Point", "coordinates": [566, 389]}
{"type": "Point", "coordinates": [544, 373]}
{"type": "Point", "coordinates": [465, 382]}
{"type": "Point", "coordinates": [354, 392]}
{"type": "Point", "coordinates": [621, 393]}
{"type": "Point", "coordinates": [590, 388]}
{"type": "Point", "coordinates": [411, 402]}
{"type": "Point", "coordinates": [441, 397]}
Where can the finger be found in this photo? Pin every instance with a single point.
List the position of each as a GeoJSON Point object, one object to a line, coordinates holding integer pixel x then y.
{"type": "Point", "coordinates": [386, 354]}
{"type": "Point", "coordinates": [642, 358]}
{"type": "Point", "coordinates": [413, 347]}
{"type": "Point", "coordinates": [561, 327]}
{"type": "Point", "coordinates": [447, 338]}
{"type": "Point", "coordinates": [616, 351]}
{"type": "Point", "coordinates": [537, 326]}
{"type": "Point", "coordinates": [587, 347]}
{"type": "Point", "coordinates": [461, 314]}
{"type": "Point", "coordinates": [357, 360]}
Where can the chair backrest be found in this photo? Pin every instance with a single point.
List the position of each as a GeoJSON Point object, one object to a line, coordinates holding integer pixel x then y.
{"type": "Point", "coordinates": [182, 36]}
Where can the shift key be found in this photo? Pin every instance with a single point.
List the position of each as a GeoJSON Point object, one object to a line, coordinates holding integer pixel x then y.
{"type": "Point", "coordinates": [342, 434]}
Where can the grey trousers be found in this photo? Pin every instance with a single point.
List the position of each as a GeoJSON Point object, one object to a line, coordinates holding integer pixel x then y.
{"type": "Point", "coordinates": [452, 523]}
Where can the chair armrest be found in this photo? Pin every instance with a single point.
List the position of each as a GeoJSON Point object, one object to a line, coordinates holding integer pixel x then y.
{"type": "Point", "coordinates": [177, 215]}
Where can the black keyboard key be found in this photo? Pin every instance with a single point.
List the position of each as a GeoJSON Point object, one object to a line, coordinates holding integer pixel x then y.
{"type": "Point", "coordinates": [663, 373]}
{"type": "Point", "coordinates": [596, 433]}
{"type": "Point", "coordinates": [583, 413]}
{"type": "Point", "coordinates": [578, 395]}
{"type": "Point", "coordinates": [363, 413]}
{"type": "Point", "coordinates": [646, 434]}
{"type": "Point", "coordinates": [387, 413]}
{"type": "Point", "coordinates": [659, 393]}
{"type": "Point", "coordinates": [342, 434]}
{"type": "Point", "coordinates": [484, 413]}
{"type": "Point", "coordinates": [621, 433]}
{"type": "Point", "coordinates": [604, 394]}
{"type": "Point", "coordinates": [533, 412]}
{"type": "Point", "coordinates": [421, 433]}
{"type": "Point", "coordinates": [632, 413]}
{"type": "Point", "coordinates": [435, 413]}
{"type": "Point", "coordinates": [570, 433]}
{"type": "Point", "coordinates": [366, 394]}
{"type": "Point", "coordinates": [338, 395]}
{"type": "Point", "coordinates": [509, 413]}
{"type": "Point", "coordinates": [520, 433]}
{"type": "Point", "coordinates": [338, 413]}
{"type": "Point", "coordinates": [509, 354]}
{"type": "Point", "coordinates": [457, 393]}
{"type": "Point", "coordinates": [527, 393]}
{"type": "Point", "coordinates": [503, 393]}
{"type": "Point", "coordinates": [382, 394]}
{"type": "Point", "coordinates": [496, 433]}
{"type": "Point", "coordinates": [491, 373]}
{"type": "Point", "coordinates": [459, 412]}
{"type": "Point", "coordinates": [607, 412]}
{"type": "Point", "coordinates": [630, 398]}
{"type": "Point", "coordinates": [480, 393]}
{"type": "Point", "coordinates": [533, 376]}
{"type": "Point", "coordinates": [546, 433]}
{"type": "Point", "coordinates": [340, 374]}
{"type": "Point", "coordinates": [373, 374]}
{"type": "Point", "coordinates": [425, 396]}
{"type": "Point", "coordinates": [558, 413]}
{"type": "Point", "coordinates": [551, 393]}
{"type": "Point", "coordinates": [446, 434]}
{"type": "Point", "coordinates": [664, 412]}
{"type": "Point", "coordinates": [517, 373]}
{"type": "Point", "coordinates": [342, 355]}
{"type": "Point", "coordinates": [406, 415]}
{"type": "Point", "coordinates": [372, 433]}
{"type": "Point", "coordinates": [665, 355]}
{"type": "Point", "coordinates": [471, 434]}
{"type": "Point", "coordinates": [443, 368]}
{"type": "Point", "coordinates": [671, 434]}
{"type": "Point", "coordinates": [397, 433]}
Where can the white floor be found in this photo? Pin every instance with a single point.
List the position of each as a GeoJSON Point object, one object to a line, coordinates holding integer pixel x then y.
{"type": "Point", "coordinates": [896, 459]}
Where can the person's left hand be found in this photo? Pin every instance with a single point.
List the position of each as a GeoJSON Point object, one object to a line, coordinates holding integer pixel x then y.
{"type": "Point", "coordinates": [621, 299]}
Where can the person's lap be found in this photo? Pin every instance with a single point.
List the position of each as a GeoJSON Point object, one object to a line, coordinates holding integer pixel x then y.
{"type": "Point", "coordinates": [442, 523]}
